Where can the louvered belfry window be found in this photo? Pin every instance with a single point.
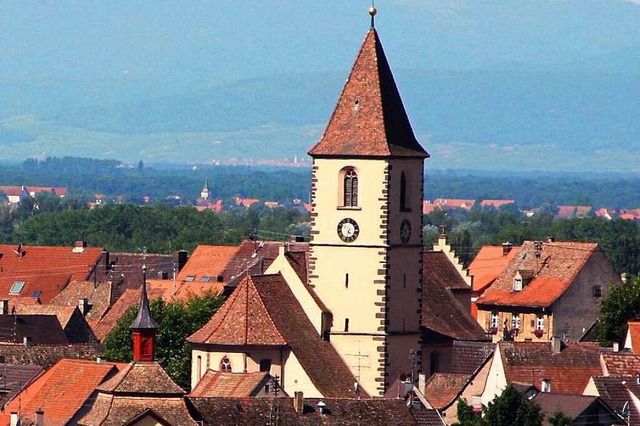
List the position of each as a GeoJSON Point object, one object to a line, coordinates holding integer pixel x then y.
{"type": "Point", "coordinates": [351, 189]}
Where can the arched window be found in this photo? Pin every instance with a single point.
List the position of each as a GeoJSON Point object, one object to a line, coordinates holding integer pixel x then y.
{"type": "Point", "coordinates": [404, 201]}
{"type": "Point", "coordinates": [350, 189]}
{"type": "Point", "coordinates": [225, 365]}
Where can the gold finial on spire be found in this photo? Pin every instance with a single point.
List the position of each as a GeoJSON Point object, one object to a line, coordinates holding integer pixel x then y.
{"type": "Point", "coordinates": [372, 12]}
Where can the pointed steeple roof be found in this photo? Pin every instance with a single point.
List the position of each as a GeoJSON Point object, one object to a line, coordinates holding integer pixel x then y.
{"type": "Point", "coordinates": [369, 119]}
{"type": "Point", "coordinates": [144, 319]}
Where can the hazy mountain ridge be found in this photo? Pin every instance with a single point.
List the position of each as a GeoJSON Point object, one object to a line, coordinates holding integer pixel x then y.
{"type": "Point", "coordinates": [577, 113]}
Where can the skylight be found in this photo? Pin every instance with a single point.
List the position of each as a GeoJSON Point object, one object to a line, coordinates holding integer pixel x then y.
{"type": "Point", "coordinates": [17, 287]}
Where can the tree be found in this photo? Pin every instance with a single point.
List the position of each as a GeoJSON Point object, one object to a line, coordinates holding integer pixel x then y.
{"type": "Point", "coordinates": [508, 409]}
{"type": "Point", "coordinates": [559, 419]}
{"type": "Point", "coordinates": [176, 321]}
{"type": "Point", "coordinates": [617, 308]}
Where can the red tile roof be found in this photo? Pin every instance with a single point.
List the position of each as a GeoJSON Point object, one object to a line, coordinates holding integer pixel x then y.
{"type": "Point", "coordinates": [620, 363]}
{"type": "Point", "coordinates": [442, 389]}
{"type": "Point", "coordinates": [496, 203]}
{"type": "Point", "coordinates": [263, 311]}
{"type": "Point", "coordinates": [47, 264]}
{"type": "Point", "coordinates": [142, 378]}
{"type": "Point", "coordinates": [553, 272]}
{"type": "Point", "coordinates": [633, 337]}
{"type": "Point", "coordinates": [489, 264]}
{"type": "Point", "coordinates": [369, 118]}
{"type": "Point", "coordinates": [569, 370]}
{"type": "Point", "coordinates": [231, 385]}
{"type": "Point", "coordinates": [61, 391]}
{"type": "Point", "coordinates": [441, 311]}
{"type": "Point", "coordinates": [43, 287]}
{"type": "Point", "coordinates": [454, 203]}
{"type": "Point", "coordinates": [566, 212]}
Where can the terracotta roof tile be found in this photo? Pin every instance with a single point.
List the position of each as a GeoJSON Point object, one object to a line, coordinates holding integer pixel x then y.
{"type": "Point", "coordinates": [496, 203]}
{"type": "Point", "coordinates": [264, 311]}
{"type": "Point", "coordinates": [614, 390]}
{"type": "Point", "coordinates": [454, 203]}
{"type": "Point", "coordinates": [37, 260]}
{"type": "Point", "coordinates": [574, 406]}
{"type": "Point", "coordinates": [442, 389]}
{"type": "Point", "coordinates": [48, 355]}
{"type": "Point", "coordinates": [98, 298]}
{"type": "Point", "coordinates": [15, 378]}
{"type": "Point", "coordinates": [566, 212]}
{"type": "Point", "coordinates": [569, 370]}
{"type": "Point", "coordinates": [620, 363]}
{"type": "Point", "coordinates": [62, 390]}
{"type": "Point", "coordinates": [489, 264]}
{"type": "Point", "coordinates": [441, 311]}
{"type": "Point", "coordinates": [230, 385]}
{"type": "Point", "coordinates": [340, 411]}
{"type": "Point", "coordinates": [144, 378]}
{"type": "Point", "coordinates": [41, 286]}
{"type": "Point", "coordinates": [633, 337]}
{"type": "Point", "coordinates": [369, 118]}
{"type": "Point", "coordinates": [554, 271]}
{"type": "Point", "coordinates": [469, 357]}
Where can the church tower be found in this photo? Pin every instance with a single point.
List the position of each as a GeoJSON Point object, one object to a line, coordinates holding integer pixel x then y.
{"type": "Point", "coordinates": [366, 236]}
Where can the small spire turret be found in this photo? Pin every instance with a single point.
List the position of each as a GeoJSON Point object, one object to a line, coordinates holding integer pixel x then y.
{"type": "Point", "coordinates": [373, 11]}
{"type": "Point", "coordinates": [144, 328]}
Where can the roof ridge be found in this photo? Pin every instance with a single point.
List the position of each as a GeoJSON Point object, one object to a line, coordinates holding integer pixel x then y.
{"type": "Point", "coordinates": [265, 306]}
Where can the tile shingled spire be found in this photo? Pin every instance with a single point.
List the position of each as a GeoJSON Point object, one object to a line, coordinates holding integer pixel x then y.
{"type": "Point", "coordinates": [144, 319]}
{"type": "Point", "coordinates": [369, 119]}
{"type": "Point", "coordinates": [144, 328]}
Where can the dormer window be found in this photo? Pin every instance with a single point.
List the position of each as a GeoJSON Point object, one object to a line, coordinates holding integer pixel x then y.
{"type": "Point", "coordinates": [521, 279]}
{"type": "Point", "coordinates": [16, 288]}
{"type": "Point", "coordinates": [225, 365]}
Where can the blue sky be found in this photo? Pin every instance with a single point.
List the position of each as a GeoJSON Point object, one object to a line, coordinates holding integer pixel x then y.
{"type": "Point", "coordinates": [225, 40]}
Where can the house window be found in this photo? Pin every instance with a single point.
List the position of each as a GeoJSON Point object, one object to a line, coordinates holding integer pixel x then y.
{"type": "Point", "coordinates": [404, 199]}
{"type": "Point", "coordinates": [225, 365]}
{"type": "Point", "coordinates": [350, 198]}
{"type": "Point", "coordinates": [495, 320]}
{"type": "Point", "coordinates": [515, 322]}
{"type": "Point", "coordinates": [190, 278]}
{"type": "Point", "coordinates": [199, 367]}
{"type": "Point", "coordinates": [597, 291]}
{"type": "Point", "coordinates": [540, 322]}
{"type": "Point", "coordinates": [16, 288]}
{"type": "Point", "coordinates": [265, 365]}
{"type": "Point", "coordinates": [205, 279]}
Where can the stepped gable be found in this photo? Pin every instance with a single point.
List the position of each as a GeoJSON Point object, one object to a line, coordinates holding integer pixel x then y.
{"type": "Point", "coordinates": [263, 311]}
{"type": "Point", "coordinates": [369, 119]}
{"type": "Point", "coordinates": [569, 370]}
{"type": "Point", "coordinates": [441, 311]}
{"type": "Point", "coordinates": [554, 271]}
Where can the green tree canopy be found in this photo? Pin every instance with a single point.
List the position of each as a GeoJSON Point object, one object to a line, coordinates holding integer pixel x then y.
{"type": "Point", "coordinates": [510, 408]}
{"type": "Point", "coordinates": [619, 306]}
{"type": "Point", "coordinates": [176, 321]}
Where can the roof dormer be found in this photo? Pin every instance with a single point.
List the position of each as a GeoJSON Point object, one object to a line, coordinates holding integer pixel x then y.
{"type": "Point", "coordinates": [521, 279]}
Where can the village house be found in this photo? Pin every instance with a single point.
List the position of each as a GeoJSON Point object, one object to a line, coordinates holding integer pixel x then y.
{"type": "Point", "coordinates": [547, 289]}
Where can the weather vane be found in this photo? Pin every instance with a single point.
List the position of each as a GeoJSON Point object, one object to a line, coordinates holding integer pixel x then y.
{"type": "Point", "coordinates": [372, 12]}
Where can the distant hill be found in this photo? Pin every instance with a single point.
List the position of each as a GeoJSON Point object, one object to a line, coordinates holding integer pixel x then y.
{"type": "Point", "coordinates": [534, 119]}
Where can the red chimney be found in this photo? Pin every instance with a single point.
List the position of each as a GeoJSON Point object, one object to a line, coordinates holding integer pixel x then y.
{"type": "Point", "coordinates": [144, 328]}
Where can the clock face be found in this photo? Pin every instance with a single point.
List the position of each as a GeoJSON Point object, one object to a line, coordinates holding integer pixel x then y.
{"type": "Point", "coordinates": [405, 231]}
{"type": "Point", "coordinates": [348, 230]}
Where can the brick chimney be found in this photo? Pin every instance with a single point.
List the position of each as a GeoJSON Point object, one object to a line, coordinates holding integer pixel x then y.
{"type": "Point", "coordinates": [298, 401]}
{"type": "Point", "coordinates": [506, 248]}
{"type": "Point", "coordinates": [83, 305]}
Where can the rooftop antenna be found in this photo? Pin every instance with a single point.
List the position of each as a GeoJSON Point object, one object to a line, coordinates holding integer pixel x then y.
{"type": "Point", "coordinates": [373, 11]}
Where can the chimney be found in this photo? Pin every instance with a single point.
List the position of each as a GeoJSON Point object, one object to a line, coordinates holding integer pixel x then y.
{"type": "Point", "coordinates": [298, 401]}
{"type": "Point", "coordinates": [15, 419]}
{"type": "Point", "coordinates": [4, 307]}
{"type": "Point", "coordinates": [422, 383]}
{"type": "Point", "coordinates": [180, 259]}
{"type": "Point", "coordinates": [83, 306]}
{"type": "Point", "coordinates": [624, 277]}
{"type": "Point", "coordinates": [79, 246]}
{"type": "Point", "coordinates": [616, 347]}
{"type": "Point", "coordinates": [296, 239]}
{"type": "Point", "coordinates": [551, 239]}
{"type": "Point", "coordinates": [322, 407]}
{"type": "Point", "coordinates": [506, 248]}
{"type": "Point", "coordinates": [26, 341]}
{"type": "Point", "coordinates": [40, 417]}
{"type": "Point", "coordinates": [556, 344]}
